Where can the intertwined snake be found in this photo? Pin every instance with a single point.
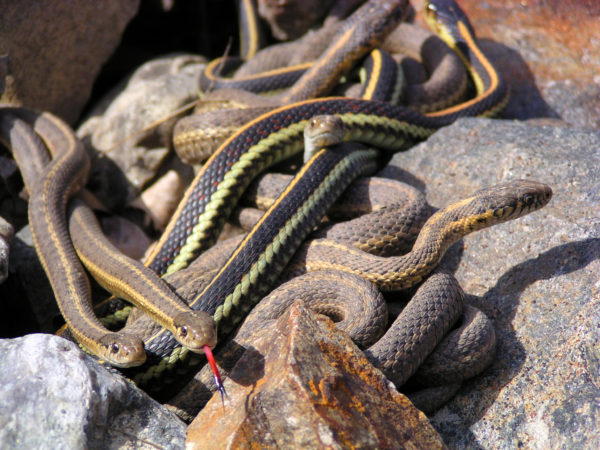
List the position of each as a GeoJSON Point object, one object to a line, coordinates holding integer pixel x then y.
{"type": "Point", "coordinates": [264, 141]}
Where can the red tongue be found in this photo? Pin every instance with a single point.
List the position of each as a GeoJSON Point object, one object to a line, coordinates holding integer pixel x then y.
{"type": "Point", "coordinates": [213, 365]}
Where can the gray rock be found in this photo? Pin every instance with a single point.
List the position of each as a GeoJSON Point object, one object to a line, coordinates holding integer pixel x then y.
{"type": "Point", "coordinates": [56, 49]}
{"type": "Point", "coordinates": [576, 105]}
{"type": "Point", "coordinates": [6, 234]}
{"type": "Point", "coordinates": [52, 395]}
{"type": "Point", "coordinates": [536, 278]}
{"type": "Point", "coordinates": [132, 126]}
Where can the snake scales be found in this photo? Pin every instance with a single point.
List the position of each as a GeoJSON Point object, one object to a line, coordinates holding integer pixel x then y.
{"type": "Point", "coordinates": [391, 284]}
{"type": "Point", "coordinates": [436, 307]}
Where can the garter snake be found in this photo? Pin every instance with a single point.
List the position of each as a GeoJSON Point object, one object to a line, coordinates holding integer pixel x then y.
{"type": "Point", "coordinates": [49, 192]}
{"type": "Point", "coordinates": [256, 263]}
{"type": "Point", "coordinates": [250, 35]}
{"type": "Point", "coordinates": [279, 65]}
{"type": "Point", "coordinates": [437, 304]}
{"type": "Point", "coordinates": [276, 136]}
{"type": "Point", "coordinates": [484, 208]}
{"type": "Point", "coordinates": [117, 273]}
{"type": "Point", "coordinates": [360, 33]}
{"type": "Point", "coordinates": [196, 137]}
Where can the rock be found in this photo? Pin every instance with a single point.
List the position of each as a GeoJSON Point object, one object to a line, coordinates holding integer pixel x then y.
{"type": "Point", "coordinates": [161, 198]}
{"type": "Point", "coordinates": [55, 50]}
{"type": "Point", "coordinates": [536, 278]}
{"type": "Point", "coordinates": [28, 287]}
{"type": "Point", "coordinates": [307, 385]}
{"type": "Point", "coordinates": [54, 396]}
{"type": "Point", "coordinates": [132, 126]}
{"type": "Point", "coordinates": [290, 19]}
{"type": "Point", "coordinates": [6, 234]}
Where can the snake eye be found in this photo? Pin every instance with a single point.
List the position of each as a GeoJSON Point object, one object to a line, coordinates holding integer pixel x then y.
{"type": "Point", "coordinates": [114, 348]}
{"type": "Point", "coordinates": [183, 331]}
{"type": "Point", "coordinates": [528, 199]}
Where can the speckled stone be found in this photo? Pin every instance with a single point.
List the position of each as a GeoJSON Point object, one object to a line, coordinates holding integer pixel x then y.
{"type": "Point", "coordinates": [131, 127]}
{"type": "Point", "coordinates": [53, 51]}
{"type": "Point", "coordinates": [535, 277]}
{"type": "Point", "coordinates": [52, 395]}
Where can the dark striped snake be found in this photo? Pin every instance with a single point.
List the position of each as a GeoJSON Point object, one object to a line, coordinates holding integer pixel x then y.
{"type": "Point", "coordinates": [276, 136]}
{"type": "Point", "coordinates": [391, 229]}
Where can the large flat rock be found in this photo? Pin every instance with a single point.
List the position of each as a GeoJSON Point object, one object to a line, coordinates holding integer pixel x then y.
{"type": "Point", "coordinates": [535, 277]}
{"type": "Point", "coordinates": [55, 50]}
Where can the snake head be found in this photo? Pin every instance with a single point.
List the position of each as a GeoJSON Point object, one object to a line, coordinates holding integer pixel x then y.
{"type": "Point", "coordinates": [514, 199]}
{"type": "Point", "coordinates": [195, 330]}
{"type": "Point", "coordinates": [322, 131]}
{"type": "Point", "coordinates": [445, 14]}
{"type": "Point", "coordinates": [449, 22]}
{"type": "Point", "coordinates": [122, 350]}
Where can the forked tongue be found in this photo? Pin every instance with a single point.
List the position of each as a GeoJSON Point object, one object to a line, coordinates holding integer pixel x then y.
{"type": "Point", "coordinates": [215, 370]}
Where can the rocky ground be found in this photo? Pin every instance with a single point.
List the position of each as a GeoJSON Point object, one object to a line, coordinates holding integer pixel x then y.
{"type": "Point", "coordinates": [536, 278]}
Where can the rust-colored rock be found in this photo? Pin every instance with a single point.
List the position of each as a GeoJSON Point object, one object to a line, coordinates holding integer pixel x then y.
{"type": "Point", "coordinates": [307, 385]}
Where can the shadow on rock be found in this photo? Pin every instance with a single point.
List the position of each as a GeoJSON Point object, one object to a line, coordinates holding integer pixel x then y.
{"type": "Point", "coordinates": [557, 261]}
{"type": "Point", "coordinates": [254, 368]}
{"type": "Point", "coordinates": [396, 173]}
{"type": "Point", "coordinates": [526, 101]}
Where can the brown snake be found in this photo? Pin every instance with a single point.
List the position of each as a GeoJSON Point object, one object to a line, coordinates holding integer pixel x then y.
{"type": "Point", "coordinates": [223, 111]}
{"type": "Point", "coordinates": [437, 305]}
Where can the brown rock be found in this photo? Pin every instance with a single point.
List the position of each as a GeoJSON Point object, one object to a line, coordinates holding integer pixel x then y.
{"type": "Point", "coordinates": [56, 49]}
{"type": "Point", "coordinates": [289, 19]}
{"type": "Point", "coordinates": [307, 385]}
{"type": "Point", "coordinates": [161, 199]}
{"type": "Point", "coordinates": [131, 127]}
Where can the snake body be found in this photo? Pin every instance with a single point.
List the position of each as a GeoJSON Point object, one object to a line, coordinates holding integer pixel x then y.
{"type": "Point", "coordinates": [355, 37]}
{"type": "Point", "coordinates": [49, 191]}
{"type": "Point", "coordinates": [258, 145]}
{"type": "Point", "coordinates": [276, 135]}
{"type": "Point", "coordinates": [254, 266]}
{"type": "Point", "coordinates": [428, 317]}
{"type": "Point", "coordinates": [484, 208]}
{"type": "Point", "coordinates": [116, 272]}
{"type": "Point", "coordinates": [447, 80]}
